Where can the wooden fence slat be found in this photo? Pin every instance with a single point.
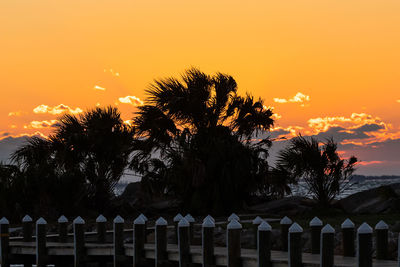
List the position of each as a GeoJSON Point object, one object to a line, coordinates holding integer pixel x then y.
{"type": "Point", "coordinates": [101, 227]}
{"type": "Point", "coordinates": [176, 220]}
{"type": "Point", "coordinates": [79, 242]}
{"type": "Point", "coordinates": [255, 223]}
{"type": "Point", "coordinates": [118, 240]}
{"type": "Point", "coordinates": [161, 243]}
{"type": "Point", "coordinates": [348, 236]}
{"type": "Point", "coordinates": [295, 255]}
{"type": "Point", "coordinates": [4, 242]}
{"type": "Point", "coordinates": [233, 245]}
{"type": "Point", "coordinates": [315, 228]}
{"type": "Point", "coordinates": [41, 251]}
{"type": "Point", "coordinates": [207, 244]}
{"type": "Point", "coordinates": [364, 246]}
{"type": "Point", "coordinates": [183, 243]}
{"type": "Point", "coordinates": [62, 229]}
{"type": "Point", "coordinates": [264, 245]}
{"type": "Point", "coordinates": [382, 240]}
{"type": "Point", "coordinates": [139, 237]}
{"type": "Point", "coordinates": [285, 223]}
{"type": "Point", "coordinates": [327, 246]}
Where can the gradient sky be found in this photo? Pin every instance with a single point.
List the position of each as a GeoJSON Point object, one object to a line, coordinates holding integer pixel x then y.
{"type": "Point", "coordinates": [329, 68]}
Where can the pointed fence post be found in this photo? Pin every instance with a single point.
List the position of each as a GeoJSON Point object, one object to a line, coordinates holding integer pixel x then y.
{"type": "Point", "coordinates": [176, 220]}
{"type": "Point", "coordinates": [381, 230]}
{"type": "Point", "coordinates": [139, 236]}
{"type": "Point", "coordinates": [27, 225]}
{"type": "Point", "coordinates": [79, 242]}
{"type": "Point", "coordinates": [364, 246]}
{"type": "Point", "coordinates": [264, 245]}
{"type": "Point", "coordinates": [161, 242]}
{"type": "Point", "coordinates": [256, 222]}
{"type": "Point", "coordinates": [119, 251]}
{"type": "Point", "coordinates": [191, 221]}
{"type": "Point", "coordinates": [4, 242]}
{"type": "Point", "coordinates": [348, 236]}
{"type": "Point", "coordinates": [207, 236]}
{"type": "Point", "coordinates": [316, 226]}
{"type": "Point", "coordinates": [285, 223]}
{"type": "Point", "coordinates": [101, 222]}
{"type": "Point", "coordinates": [295, 256]}
{"type": "Point", "coordinates": [62, 229]}
{"type": "Point", "coordinates": [327, 246]}
{"type": "Point", "coordinates": [234, 229]}
{"type": "Point", "coordinates": [145, 226]}
{"type": "Point", "coordinates": [183, 243]}
{"type": "Point", "coordinates": [233, 217]}
{"type": "Point", "coordinates": [41, 252]}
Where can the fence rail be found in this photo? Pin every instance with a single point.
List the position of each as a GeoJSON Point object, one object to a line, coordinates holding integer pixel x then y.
{"type": "Point", "coordinates": [59, 249]}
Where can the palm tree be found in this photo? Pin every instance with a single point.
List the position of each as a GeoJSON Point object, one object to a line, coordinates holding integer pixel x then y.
{"type": "Point", "coordinates": [318, 165]}
{"type": "Point", "coordinates": [91, 150]}
{"type": "Point", "coordinates": [202, 132]}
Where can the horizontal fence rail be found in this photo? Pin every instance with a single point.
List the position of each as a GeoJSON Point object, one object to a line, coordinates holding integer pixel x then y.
{"type": "Point", "coordinates": [80, 248]}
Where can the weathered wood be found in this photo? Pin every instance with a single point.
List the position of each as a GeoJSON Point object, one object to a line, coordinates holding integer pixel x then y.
{"type": "Point", "coordinates": [264, 245]}
{"type": "Point", "coordinates": [79, 242]}
{"type": "Point", "coordinates": [233, 245]}
{"type": "Point", "coordinates": [183, 243]}
{"type": "Point", "coordinates": [348, 237]}
{"type": "Point", "coordinates": [295, 257]}
{"type": "Point", "coordinates": [118, 238]}
{"type": "Point", "coordinates": [315, 229]}
{"type": "Point", "coordinates": [207, 237]}
{"type": "Point", "coordinates": [101, 223]}
{"type": "Point", "coordinates": [4, 242]}
{"type": "Point", "coordinates": [364, 246]}
{"type": "Point", "coordinates": [382, 240]}
{"type": "Point", "coordinates": [176, 220]}
{"type": "Point", "coordinates": [41, 251]}
{"type": "Point", "coordinates": [285, 223]}
{"type": "Point", "coordinates": [139, 235]}
{"type": "Point", "coordinates": [233, 216]}
{"type": "Point", "coordinates": [327, 246]}
{"type": "Point", "coordinates": [255, 223]}
{"type": "Point", "coordinates": [62, 229]}
{"type": "Point", "coordinates": [161, 257]}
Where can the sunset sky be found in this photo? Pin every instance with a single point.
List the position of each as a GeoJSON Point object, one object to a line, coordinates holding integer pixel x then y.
{"type": "Point", "coordinates": [329, 68]}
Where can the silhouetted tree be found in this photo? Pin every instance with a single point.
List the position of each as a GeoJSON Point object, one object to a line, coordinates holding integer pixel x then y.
{"type": "Point", "coordinates": [318, 165]}
{"type": "Point", "coordinates": [81, 161]}
{"type": "Point", "coordinates": [196, 140]}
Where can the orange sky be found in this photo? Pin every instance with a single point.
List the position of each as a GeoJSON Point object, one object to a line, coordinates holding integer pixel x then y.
{"type": "Point", "coordinates": [343, 54]}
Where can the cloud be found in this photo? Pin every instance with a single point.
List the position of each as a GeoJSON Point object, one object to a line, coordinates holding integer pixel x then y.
{"type": "Point", "coordinates": [366, 163]}
{"type": "Point", "coordinates": [133, 100]}
{"type": "Point", "coordinates": [41, 124]}
{"type": "Point", "coordinates": [298, 98]}
{"type": "Point", "coordinates": [97, 87]}
{"type": "Point", "coordinates": [16, 113]}
{"type": "Point", "coordinates": [56, 110]}
{"type": "Point", "coordinates": [113, 72]}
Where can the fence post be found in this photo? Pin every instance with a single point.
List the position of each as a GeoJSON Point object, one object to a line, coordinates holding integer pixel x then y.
{"type": "Point", "coordinates": [364, 246]}
{"type": "Point", "coordinates": [381, 229]}
{"type": "Point", "coordinates": [119, 253]}
{"type": "Point", "coordinates": [316, 226]}
{"type": "Point", "coordinates": [183, 243]}
{"type": "Point", "coordinates": [255, 223]}
{"type": "Point", "coordinates": [41, 252]}
{"type": "Point", "coordinates": [264, 245]}
{"type": "Point", "coordinates": [295, 257]}
{"type": "Point", "coordinates": [348, 236]}
{"type": "Point", "coordinates": [101, 222]}
{"type": "Point", "coordinates": [234, 229]}
{"type": "Point", "coordinates": [176, 220]}
{"type": "Point", "coordinates": [62, 229]}
{"type": "Point", "coordinates": [4, 242]}
{"type": "Point", "coordinates": [79, 242]}
{"type": "Point", "coordinates": [27, 226]}
{"type": "Point", "coordinates": [207, 243]}
{"type": "Point", "coordinates": [233, 217]}
{"type": "Point", "coordinates": [161, 242]}
{"type": "Point", "coordinates": [191, 221]}
{"type": "Point", "coordinates": [327, 246]}
{"type": "Point", "coordinates": [139, 235]}
{"type": "Point", "coordinates": [145, 226]}
{"type": "Point", "coordinates": [285, 223]}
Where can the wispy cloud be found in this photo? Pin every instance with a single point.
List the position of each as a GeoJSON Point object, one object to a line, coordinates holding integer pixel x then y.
{"type": "Point", "coordinates": [298, 98]}
{"type": "Point", "coordinates": [99, 88]}
{"type": "Point", "coordinates": [56, 110]}
{"type": "Point", "coordinates": [16, 113]}
{"type": "Point", "coordinates": [366, 163]}
{"type": "Point", "coordinates": [41, 124]}
{"type": "Point", "coordinates": [133, 100]}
